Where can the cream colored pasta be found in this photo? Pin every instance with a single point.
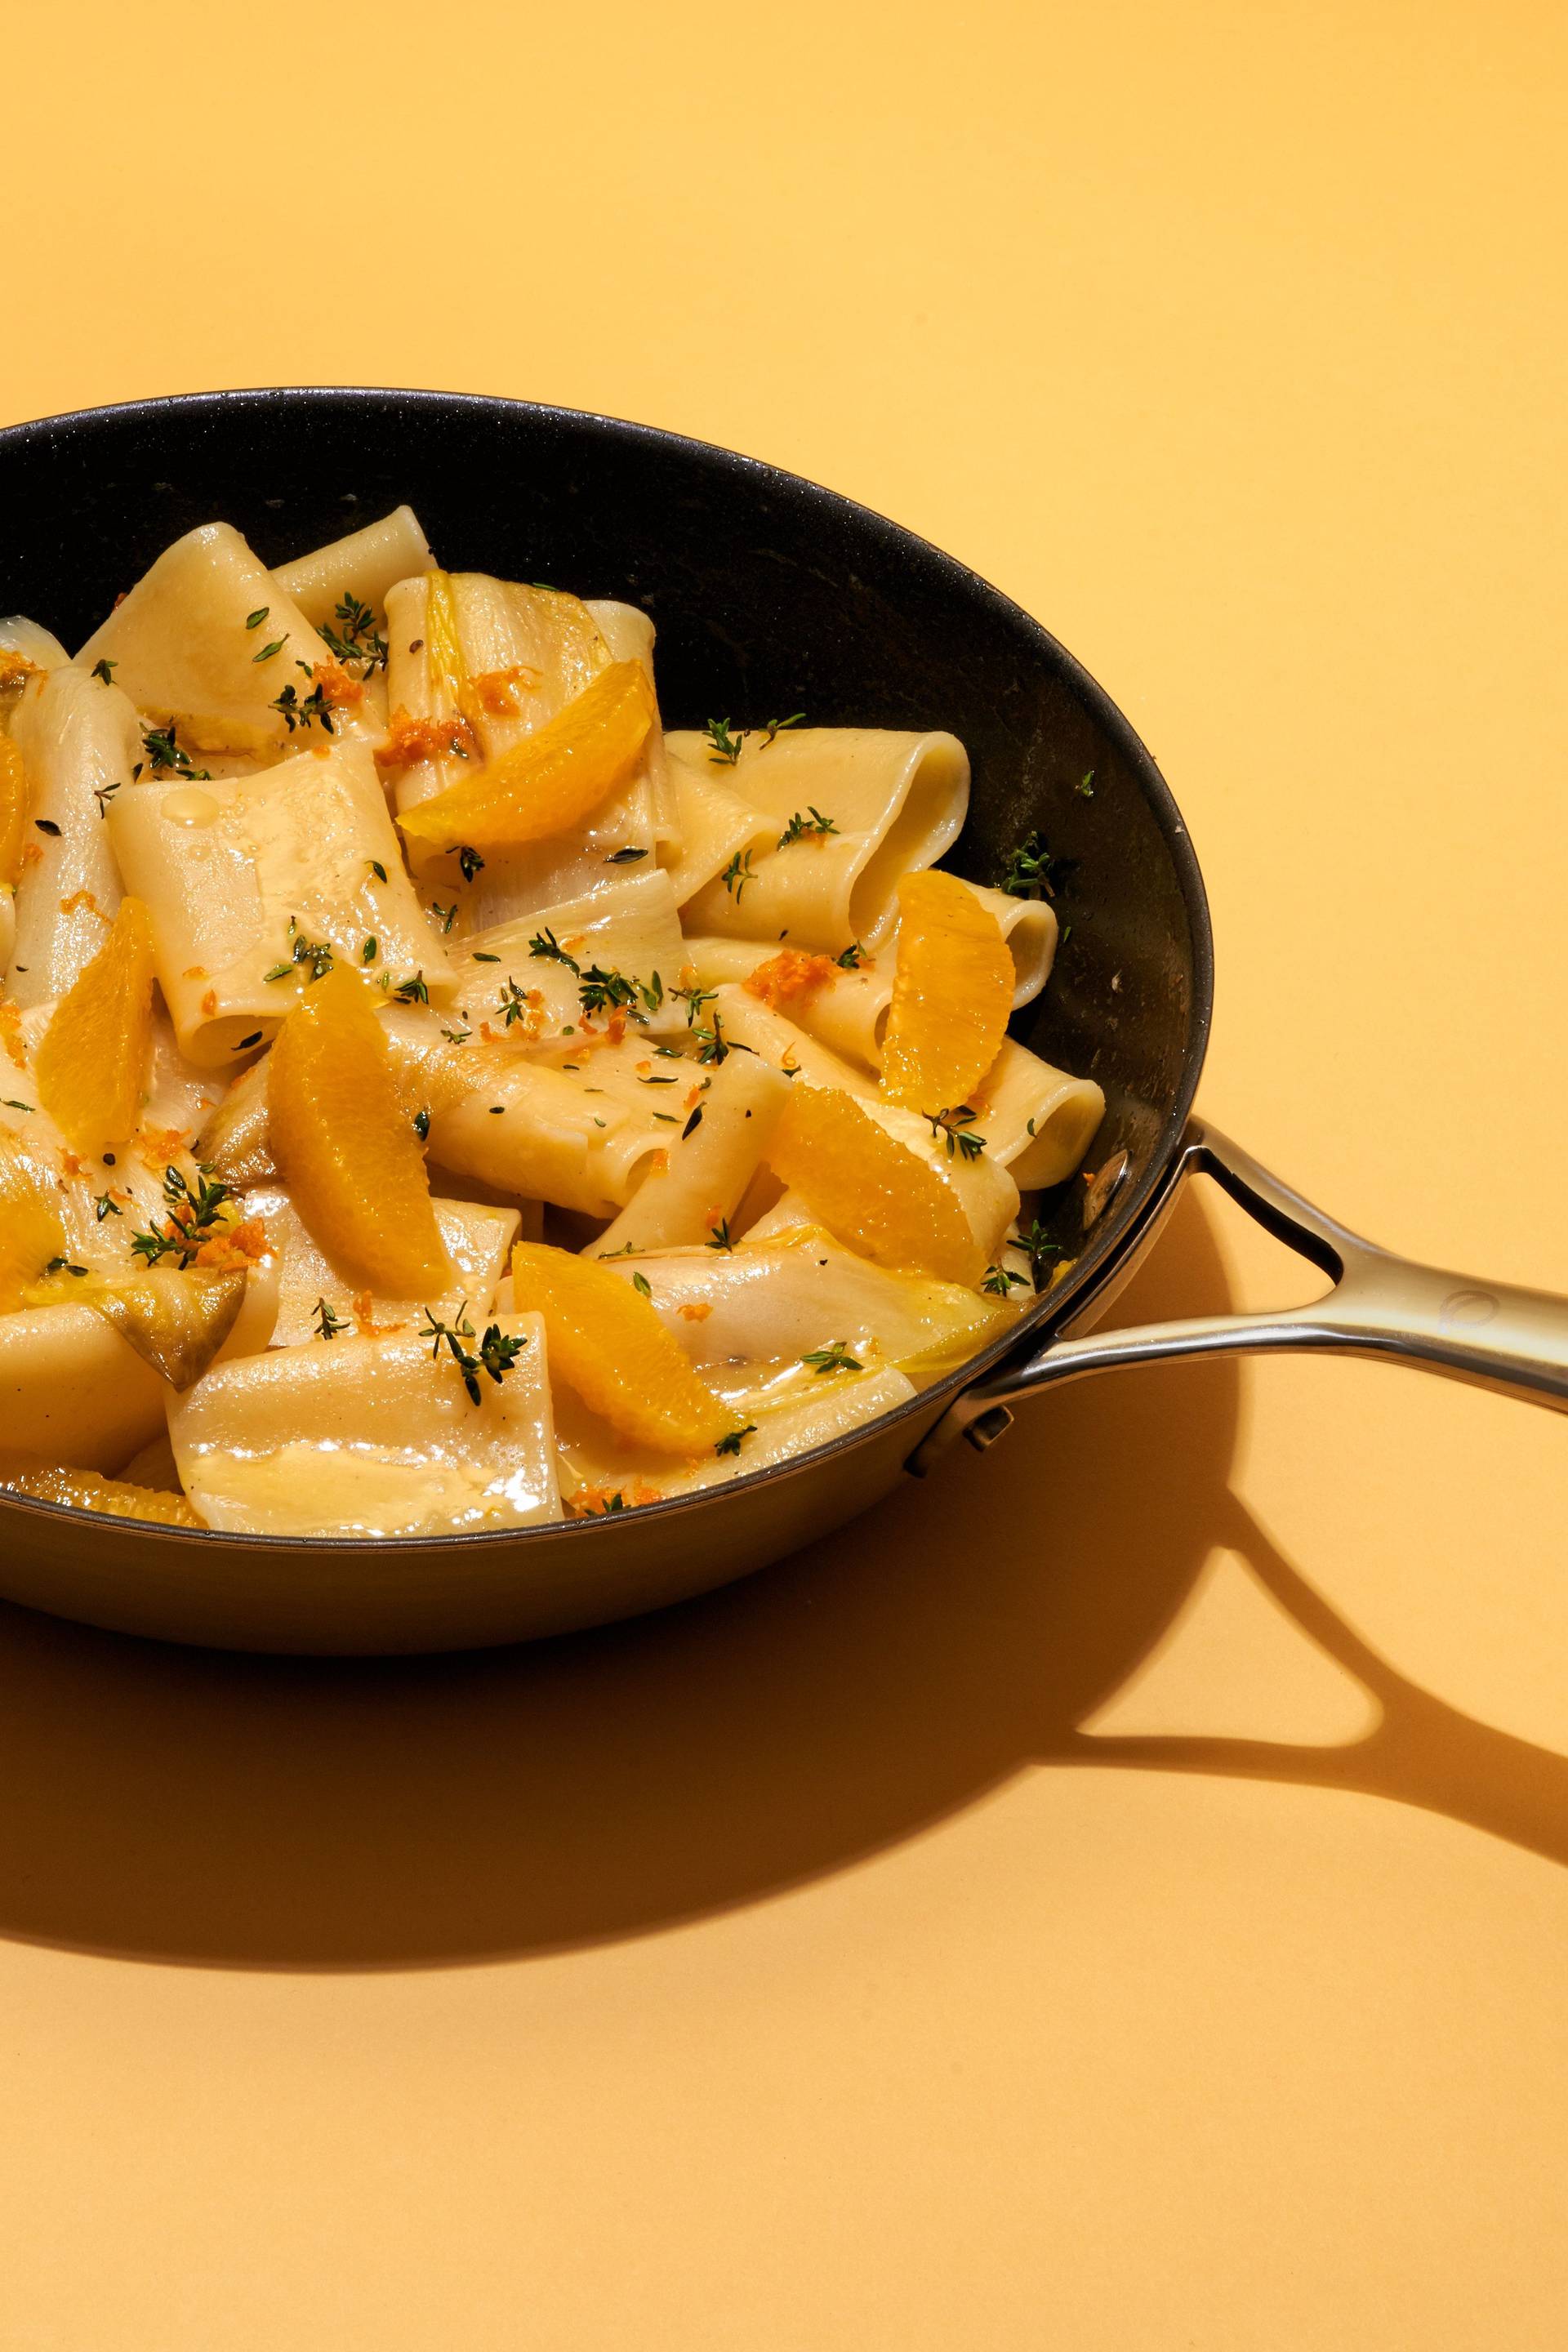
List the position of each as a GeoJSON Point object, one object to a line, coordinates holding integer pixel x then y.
{"type": "Point", "coordinates": [1038, 1121]}
{"type": "Point", "coordinates": [815, 1418]}
{"type": "Point", "coordinates": [478, 1240]}
{"type": "Point", "coordinates": [366, 565]}
{"type": "Point", "coordinates": [38, 647]}
{"type": "Point", "coordinates": [774, 1304]}
{"type": "Point", "coordinates": [629, 635]}
{"type": "Point", "coordinates": [747, 1021]}
{"type": "Point", "coordinates": [526, 1129]}
{"type": "Point", "coordinates": [896, 801]}
{"type": "Point", "coordinates": [513, 658]}
{"type": "Point", "coordinates": [716, 827]}
{"type": "Point", "coordinates": [368, 1437]}
{"type": "Point", "coordinates": [692, 1192]}
{"type": "Point", "coordinates": [72, 1389]}
{"type": "Point", "coordinates": [843, 1009]}
{"type": "Point", "coordinates": [629, 926]}
{"type": "Point", "coordinates": [185, 650]}
{"type": "Point", "coordinates": [79, 740]}
{"type": "Point", "coordinates": [242, 877]}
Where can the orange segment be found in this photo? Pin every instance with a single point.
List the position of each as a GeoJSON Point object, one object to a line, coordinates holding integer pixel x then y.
{"type": "Point", "coordinates": [552, 780]}
{"type": "Point", "coordinates": [346, 1146]}
{"type": "Point", "coordinates": [953, 992]}
{"type": "Point", "coordinates": [871, 1193]}
{"type": "Point", "coordinates": [608, 1346]}
{"type": "Point", "coordinates": [52, 1482]}
{"type": "Point", "coordinates": [92, 1064]}
{"type": "Point", "coordinates": [31, 1232]}
{"type": "Point", "coordinates": [14, 797]}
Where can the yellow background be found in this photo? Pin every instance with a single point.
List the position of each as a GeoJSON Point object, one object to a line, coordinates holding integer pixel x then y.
{"type": "Point", "coordinates": [828, 1966]}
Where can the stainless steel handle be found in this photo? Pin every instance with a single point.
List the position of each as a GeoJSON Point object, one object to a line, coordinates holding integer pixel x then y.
{"type": "Point", "coordinates": [1491, 1333]}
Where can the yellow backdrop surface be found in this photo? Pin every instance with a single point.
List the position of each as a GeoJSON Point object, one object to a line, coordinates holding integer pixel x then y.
{"type": "Point", "coordinates": [1116, 1898]}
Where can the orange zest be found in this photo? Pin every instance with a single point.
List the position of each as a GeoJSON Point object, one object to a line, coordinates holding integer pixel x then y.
{"type": "Point", "coordinates": [952, 993]}
{"type": "Point", "coordinates": [14, 800]}
{"type": "Point", "coordinates": [91, 1064]}
{"type": "Point", "coordinates": [552, 780]}
{"type": "Point", "coordinates": [409, 741]}
{"type": "Point", "coordinates": [606, 1344]}
{"type": "Point", "coordinates": [592, 1502]}
{"type": "Point", "coordinates": [792, 977]}
{"type": "Point", "coordinates": [872, 1192]}
{"type": "Point", "coordinates": [346, 1147]}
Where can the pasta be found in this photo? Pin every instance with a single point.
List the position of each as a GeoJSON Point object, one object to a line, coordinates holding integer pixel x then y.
{"type": "Point", "coordinates": [640, 1050]}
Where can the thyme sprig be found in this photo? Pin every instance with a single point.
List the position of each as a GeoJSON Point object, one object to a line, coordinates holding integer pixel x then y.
{"type": "Point", "coordinates": [955, 1126]}
{"type": "Point", "coordinates": [813, 826]}
{"type": "Point", "coordinates": [192, 1220]}
{"type": "Point", "coordinates": [833, 1359]}
{"type": "Point", "coordinates": [326, 1324]}
{"type": "Point", "coordinates": [496, 1351]}
{"type": "Point", "coordinates": [168, 757]}
{"type": "Point", "coordinates": [357, 639]}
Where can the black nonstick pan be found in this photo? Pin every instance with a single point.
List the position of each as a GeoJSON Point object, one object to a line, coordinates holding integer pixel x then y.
{"type": "Point", "coordinates": [769, 594]}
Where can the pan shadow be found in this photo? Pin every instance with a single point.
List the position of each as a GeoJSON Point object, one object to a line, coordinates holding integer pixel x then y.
{"type": "Point", "coordinates": [184, 1806]}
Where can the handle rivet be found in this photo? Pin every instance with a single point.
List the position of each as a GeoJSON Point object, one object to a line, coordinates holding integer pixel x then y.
{"type": "Point", "coordinates": [1466, 1307]}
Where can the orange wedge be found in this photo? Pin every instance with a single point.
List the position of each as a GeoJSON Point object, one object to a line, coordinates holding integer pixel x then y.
{"type": "Point", "coordinates": [52, 1482]}
{"type": "Point", "coordinates": [14, 797]}
{"type": "Point", "coordinates": [871, 1190]}
{"type": "Point", "coordinates": [31, 1232]}
{"type": "Point", "coordinates": [606, 1343]}
{"type": "Point", "coordinates": [953, 992]}
{"type": "Point", "coordinates": [93, 1063]}
{"type": "Point", "coordinates": [346, 1146]}
{"type": "Point", "coordinates": [552, 780]}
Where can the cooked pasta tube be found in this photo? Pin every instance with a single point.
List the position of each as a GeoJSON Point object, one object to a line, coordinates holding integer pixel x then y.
{"type": "Point", "coordinates": [600, 1467]}
{"type": "Point", "coordinates": [852, 808]}
{"type": "Point", "coordinates": [843, 1009]}
{"type": "Point", "coordinates": [628, 928]}
{"type": "Point", "coordinates": [72, 1389]}
{"type": "Point", "coordinates": [80, 743]}
{"type": "Point", "coordinates": [777, 1304]}
{"type": "Point", "coordinates": [249, 880]}
{"type": "Point", "coordinates": [369, 1437]}
{"type": "Point", "coordinates": [744, 1020]}
{"type": "Point", "coordinates": [846, 1006]}
{"type": "Point", "coordinates": [629, 635]}
{"type": "Point", "coordinates": [1038, 1121]}
{"type": "Point", "coordinates": [477, 1240]}
{"type": "Point", "coordinates": [39, 649]}
{"type": "Point", "coordinates": [539, 1134]}
{"type": "Point", "coordinates": [692, 1192]}
{"type": "Point", "coordinates": [716, 827]}
{"type": "Point", "coordinates": [363, 566]}
{"type": "Point", "coordinates": [1029, 927]}
{"type": "Point", "coordinates": [478, 665]}
{"type": "Point", "coordinates": [208, 640]}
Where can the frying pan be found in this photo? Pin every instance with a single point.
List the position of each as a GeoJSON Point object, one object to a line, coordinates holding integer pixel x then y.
{"type": "Point", "coordinates": [769, 593]}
